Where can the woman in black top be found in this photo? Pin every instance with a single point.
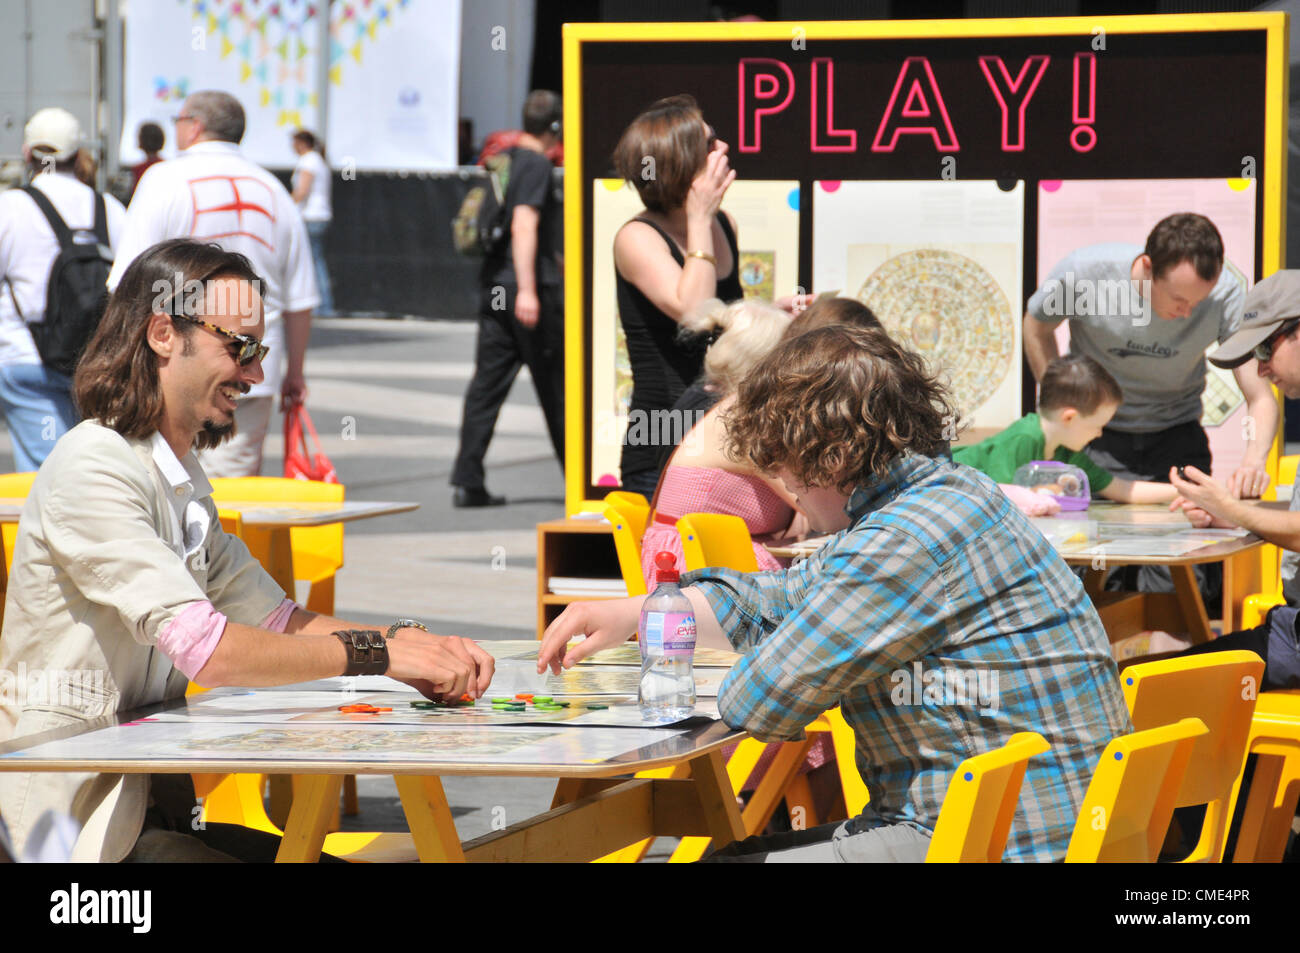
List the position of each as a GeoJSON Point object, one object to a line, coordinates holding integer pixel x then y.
{"type": "Point", "coordinates": [676, 254]}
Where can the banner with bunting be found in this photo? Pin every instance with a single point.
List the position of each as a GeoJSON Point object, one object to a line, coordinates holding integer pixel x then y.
{"type": "Point", "coordinates": [392, 75]}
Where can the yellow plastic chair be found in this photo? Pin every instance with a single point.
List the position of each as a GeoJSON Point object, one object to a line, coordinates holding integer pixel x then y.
{"type": "Point", "coordinates": [716, 539]}
{"type": "Point", "coordinates": [981, 802]}
{"type": "Point", "coordinates": [1275, 786]}
{"type": "Point", "coordinates": [317, 550]}
{"type": "Point", "coordinates": [12, 486]}
{"type": "Point", "coordinates": [1131, 797]}
{"type": "Point", "coordinates": [237, 799]}
{"type": "Point", "coordinates": [627, 541]}
{"type": "Point", "coordinates": [1219, 688]}
{"type": "Point", "coordinates": [634, 507]}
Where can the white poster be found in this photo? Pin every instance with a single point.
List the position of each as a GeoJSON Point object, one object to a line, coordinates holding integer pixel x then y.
{"type": "Point", "coordinates": [940, 265]}
{"type": "Point", "coordinates": [393, 68]}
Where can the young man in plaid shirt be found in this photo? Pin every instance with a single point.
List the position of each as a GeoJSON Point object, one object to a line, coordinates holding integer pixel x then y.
{"type": "Point", "coordinates": [938, 619]}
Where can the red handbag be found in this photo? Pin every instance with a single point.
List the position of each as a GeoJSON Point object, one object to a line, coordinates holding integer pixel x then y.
{"type": "Point", "coordinates": [299, 462]}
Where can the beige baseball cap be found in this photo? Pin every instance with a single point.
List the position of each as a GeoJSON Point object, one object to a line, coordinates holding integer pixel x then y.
{"type": "Point", "coordinates": [1269, 305]}
{"type": "Point", "coordinates": [56, 130]}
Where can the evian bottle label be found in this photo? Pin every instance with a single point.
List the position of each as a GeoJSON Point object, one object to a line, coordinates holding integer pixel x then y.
{"type": "Point", "coordinates": [679, 635]}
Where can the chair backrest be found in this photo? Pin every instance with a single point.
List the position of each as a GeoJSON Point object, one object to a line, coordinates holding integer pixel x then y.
{"type": "Point", "coordinates": [1220, 689]}
{"type": "Point", "coordinates": [716, 539]}
{"type": "Point", "coordinates": [13, 486]}
{"type": "Point", "coordinates": [317, 550]}
{"type": "Point", "coordinates": [981, 801]}
{"type": "Point", "coordinates": [1131, 797]}
{"type": "Point", "coordinates": [1286, 470]}
{"type": "Point", "coordinates": [627, 544]}
{"type": "Point", "coordinates": [633, 506]}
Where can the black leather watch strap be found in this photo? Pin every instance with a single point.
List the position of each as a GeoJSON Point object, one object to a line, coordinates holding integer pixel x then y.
{"type": "Point", "coordinates": [367, 651]}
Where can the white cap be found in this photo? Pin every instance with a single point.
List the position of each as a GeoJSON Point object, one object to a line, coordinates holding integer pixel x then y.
{"type": "Point", "coordinates": [55, 129]}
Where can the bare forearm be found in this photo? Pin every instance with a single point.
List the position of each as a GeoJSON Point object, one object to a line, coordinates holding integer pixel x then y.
{"type": "Point", "coordinates": [708, 632]}
{"type": "Point", "coordinates": [1139, 491]}
{"type": "Point", "coordinates": [699, 278]}
{"type": "Point", "coordinates": [297, 331]}
{"type": "Point", "coordinates": [1262, 410]}
{"type": "Point", "coordinates": [1040, 345]}
{"type": "Point", "coordinates": [258, 657]}
{"type": "Point", "coordinates": [1279, 527]}
{"type": "Point", "coordinates": [523, 253]}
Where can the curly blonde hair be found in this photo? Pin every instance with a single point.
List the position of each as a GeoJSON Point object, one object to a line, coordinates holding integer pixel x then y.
{"type": "Point", "coordinates": [836, 407]}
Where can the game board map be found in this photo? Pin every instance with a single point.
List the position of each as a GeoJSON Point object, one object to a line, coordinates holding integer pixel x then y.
{"type": "Point", "coordinates": [626, 654]}
{"type": "Point", "coordinates": [272, 706]}
{"type": "Point", "coordinates": [150, 740]}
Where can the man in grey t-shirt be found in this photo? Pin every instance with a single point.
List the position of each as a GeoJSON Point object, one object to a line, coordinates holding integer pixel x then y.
{"type": "Point", "coordinates": [1147, 315]}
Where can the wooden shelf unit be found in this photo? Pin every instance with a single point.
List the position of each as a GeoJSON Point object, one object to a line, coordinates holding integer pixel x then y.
{"type": "Point", "coordinates": [571, 547]}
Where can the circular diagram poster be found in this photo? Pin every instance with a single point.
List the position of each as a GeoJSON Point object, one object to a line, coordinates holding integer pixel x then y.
{"type": "Point", "coordinates": [951, 311]}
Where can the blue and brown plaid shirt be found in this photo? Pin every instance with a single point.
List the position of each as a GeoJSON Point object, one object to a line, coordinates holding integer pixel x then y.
{"type": "Point", "coordinates": [942, 623]}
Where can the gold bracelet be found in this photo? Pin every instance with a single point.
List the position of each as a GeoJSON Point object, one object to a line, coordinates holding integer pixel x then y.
{"type": "Point", "coordinates": [705, 255]}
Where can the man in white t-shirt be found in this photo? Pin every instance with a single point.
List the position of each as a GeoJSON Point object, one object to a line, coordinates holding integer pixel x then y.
{"type": "Point", "coordinates": [37, 400]}
{"type": "Point", "coordinates": [311, 190]}
{"type": "Point", "coordinates": [212, 193]}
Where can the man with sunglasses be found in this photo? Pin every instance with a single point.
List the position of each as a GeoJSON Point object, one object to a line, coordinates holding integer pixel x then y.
{"type": "Point", "coordinates": [213, 193]}
{"type": "Point", "coordinates": [124, 578]}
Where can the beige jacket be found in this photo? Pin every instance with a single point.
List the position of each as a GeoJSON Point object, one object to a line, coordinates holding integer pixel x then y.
{"type": "Point", "coordinates": [100, 568]}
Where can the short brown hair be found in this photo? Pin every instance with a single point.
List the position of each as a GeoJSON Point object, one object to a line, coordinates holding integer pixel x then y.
{"type": "Point", "coordinates": [1079, 382]}
{"type": "Point", "coordinates": [543, 111]}
{"type": "Point", "coordinates": [673, 136]}
{"type": "Point", "coordinates": [836, 407]}
{"type": "Point", "coordinates": [827, 311]}
{"type": "Point", "coordinates": [1185, 236]}
{"type": "Point", "coordinates": [117, 379]}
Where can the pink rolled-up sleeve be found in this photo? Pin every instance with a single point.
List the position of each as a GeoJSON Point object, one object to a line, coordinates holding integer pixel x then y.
{"type": "Point", "coordinates": [192, 636]}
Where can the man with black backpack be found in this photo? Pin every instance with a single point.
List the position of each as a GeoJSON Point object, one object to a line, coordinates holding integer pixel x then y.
{"type": "Point", "coordinates": [521, 314]}
{"type": "Point", "coordinates": [56, 237]}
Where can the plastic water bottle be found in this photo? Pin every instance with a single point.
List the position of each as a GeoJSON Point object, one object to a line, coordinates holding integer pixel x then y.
{"type": "Point", "coordinates": [667, 636]}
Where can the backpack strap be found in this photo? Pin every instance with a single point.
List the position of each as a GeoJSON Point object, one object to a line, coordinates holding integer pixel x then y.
{"type": "Point", "coordinates": [101, 219]}
{"type": "Point", "coordinates": [60, 227]}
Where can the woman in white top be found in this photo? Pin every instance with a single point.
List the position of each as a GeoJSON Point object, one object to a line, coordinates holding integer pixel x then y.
{"type": "Point", "coordinates": [311, 190]}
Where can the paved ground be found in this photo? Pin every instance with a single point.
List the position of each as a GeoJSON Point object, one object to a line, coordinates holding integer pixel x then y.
{"type": "Point", "coordinates": [386, 398]}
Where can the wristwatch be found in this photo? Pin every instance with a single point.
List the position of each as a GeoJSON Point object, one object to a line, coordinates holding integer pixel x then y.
{"type": "Point", "coordinates": [405, 624]}
{"type": "Point", "coordinates": [367, 651]}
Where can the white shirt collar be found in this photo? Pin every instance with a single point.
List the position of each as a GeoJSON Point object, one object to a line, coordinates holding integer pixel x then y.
{"type": "Point", "coordinates": [184, 475]}
{"type": "Point", "coordinates": [212, 146]}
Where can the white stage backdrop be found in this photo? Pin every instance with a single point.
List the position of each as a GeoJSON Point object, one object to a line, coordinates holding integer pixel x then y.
{"type": "Point", "coordinates": [393, 68]}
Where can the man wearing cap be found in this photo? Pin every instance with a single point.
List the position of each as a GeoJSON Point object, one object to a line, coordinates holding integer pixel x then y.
{"type": "Point", "coordinates": [1147, 314]}
{"type": "Point", "coordinates": [1268, 336]}
{"type": "Point", "coordinates": [37, 400]}
{"type": "Point", "coordinates": [212, 193]}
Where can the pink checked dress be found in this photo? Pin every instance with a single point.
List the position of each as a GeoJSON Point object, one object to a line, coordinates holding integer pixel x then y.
{"type": "Point", "coordinates": [709, 490]}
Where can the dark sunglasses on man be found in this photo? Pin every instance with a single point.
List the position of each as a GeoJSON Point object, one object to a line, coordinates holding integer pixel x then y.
{"type": "Point", "coordinates": [1264, 350]}
{"type": "Point", "coordinates": [243, 348]}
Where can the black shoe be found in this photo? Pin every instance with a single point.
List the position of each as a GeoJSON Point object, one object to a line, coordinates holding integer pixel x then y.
{"type": "Point", "coordinates": [465, 496]}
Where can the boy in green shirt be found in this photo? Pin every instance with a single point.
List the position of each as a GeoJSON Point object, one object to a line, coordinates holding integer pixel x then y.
{"type": "Point", "coordinates": [1076, 399]}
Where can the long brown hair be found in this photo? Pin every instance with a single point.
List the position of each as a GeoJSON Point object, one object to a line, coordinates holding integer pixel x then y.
{"type": "Point", "coordinates": [117, 381]}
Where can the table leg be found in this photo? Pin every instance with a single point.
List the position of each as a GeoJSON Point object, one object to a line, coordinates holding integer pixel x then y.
{"type": "Point", "coordinates": [717, 799]}
{"type": "Point", "coordinates": [315, 799]}
{"type": "Point", "coordinates": [273, 549]}
{"type": "Point", "coordinates": [429, 818]}
{"type": "Point", "coordinates": [1189, 601]}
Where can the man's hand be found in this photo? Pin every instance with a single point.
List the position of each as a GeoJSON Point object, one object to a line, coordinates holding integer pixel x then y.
{"type": "Point", "coordinates": [1248, 482]}
{"type": "Point", "coordinates": [527, 308]}
{"type": "Point", "coordinates": [1201, 498]}
{"type": "Point", "coordinates": [293, 390]}
{"type": "Point", "coordinates": [445, 666]}
{"type": "Point", "coordinates": [604, 622]}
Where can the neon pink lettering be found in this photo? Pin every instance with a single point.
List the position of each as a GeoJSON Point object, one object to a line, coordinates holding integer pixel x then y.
{"type": "Point", "coordinates": [836, 140]}
{"type": "Point", "coordinates": [1015, 92]}
{"type": "Point", "coordinates": [760, 84]}
{"type": "Point", "coordinates": [923, 99]}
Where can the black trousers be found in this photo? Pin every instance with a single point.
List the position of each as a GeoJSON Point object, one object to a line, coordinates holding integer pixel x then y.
{"type": "Point", "coordinates": [505, 345]}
